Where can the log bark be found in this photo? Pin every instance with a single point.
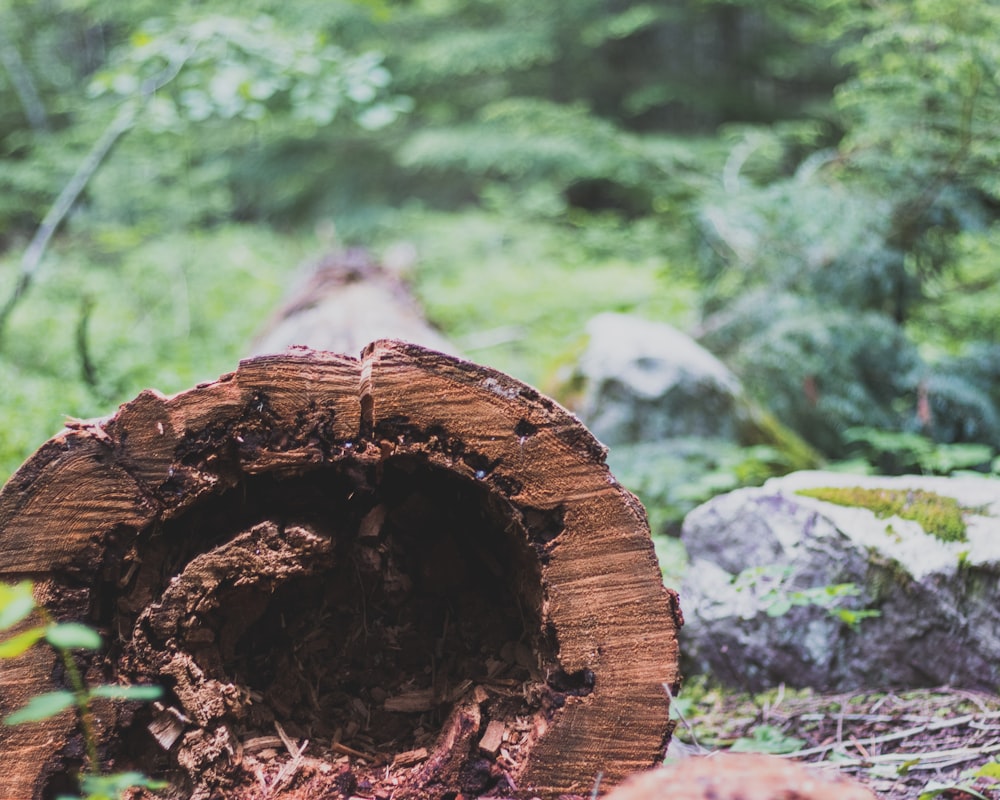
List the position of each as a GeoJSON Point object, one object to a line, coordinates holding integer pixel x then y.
{"type": "Point", "coordinates": [345, 300]}
{"type": "Point", "coordinates": [404, 575]}
{"type": "Point", "coordinates": [744, 776]}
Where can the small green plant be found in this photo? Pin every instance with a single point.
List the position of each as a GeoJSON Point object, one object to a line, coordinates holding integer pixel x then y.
{"type": "Point", "coordinates": [938, 515]}
{"type": "Point", "coordinates": [985, 778]}
{"type": "Point", "coordinates": [767, 739]}
{"type": "Point", "coordinates": [17, 603]}
{"type": "Point", "coordinates": [777, 598]}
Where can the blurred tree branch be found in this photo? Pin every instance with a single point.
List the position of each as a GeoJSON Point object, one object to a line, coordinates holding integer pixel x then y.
{"type": "Point", "coordinates": [23, 83]}
{"type": "Point", "coordinates": [122, 122]}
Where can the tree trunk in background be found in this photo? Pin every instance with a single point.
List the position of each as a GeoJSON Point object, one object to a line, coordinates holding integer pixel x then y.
{"type": "Point", "coordinates": [402, 575]}
{"type": "Point", "coordinates": [343, 302]}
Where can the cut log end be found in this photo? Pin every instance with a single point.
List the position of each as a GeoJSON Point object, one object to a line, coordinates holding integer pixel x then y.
{"type": "Point", "coordinates": [416, 573]}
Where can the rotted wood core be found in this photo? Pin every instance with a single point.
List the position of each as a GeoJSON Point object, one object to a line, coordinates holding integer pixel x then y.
{"type": "Point", "coordinates": [385, 612]}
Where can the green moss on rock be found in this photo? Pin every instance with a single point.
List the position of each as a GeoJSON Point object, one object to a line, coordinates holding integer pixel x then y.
{"type": "Point", "coordinates": [940, 516]}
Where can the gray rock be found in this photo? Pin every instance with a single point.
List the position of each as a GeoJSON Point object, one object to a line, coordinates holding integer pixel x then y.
{"type": "Point", "coordinates": [755, 552]}
{"type": "Point", "coordinates": [647, 381]}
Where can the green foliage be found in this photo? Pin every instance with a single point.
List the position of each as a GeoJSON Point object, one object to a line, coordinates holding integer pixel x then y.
{"type": "Point", "coordinates": [165, 316]}
{"type": "Point", "coordinates": [583, 159]}
{"type": "Point", "coordinates": [990, 769]}
{"type": "Point", "coordinates": [840, 245]}
{"type": "Point", "coordinates": [820, 369]}
{"type": "Point", "coordinates": [767, 739]}
{"type": "Point", "coordinates": [513, 292]}
{"type": "Point", "coordinates": [924, 96]}
{"type": "Point", "coordinates": [935, 789]}
{"type": "Point", "coordinates": [939, 516]}
{"type": "Point", "coordinates": [980, 782]}
{"type": "Point", "coordinates": [893, 453]}
{"type": "Point", "coordinates": [775, 594]}
{"type": "Point", "coordinates": [72, 636]}
{"type": "Point", "coordinates": [963, 304]}
{"type": "Point", "coordinates": [204, 89]}
{"type": "Point", "coordinates": [886, 232]}
{"type": "Point", "coordinates": [41, 707]}
{"type": "Point", "coordinates": [229, 67]}
{"type": "Point", "coordinates": [673, 477]}
{"type": "Point", "coordinates": [807, 237]}
{"type": "Point", "coordinates": [720, 719]}
{"type": "Point", "coordinates": [16, 605]}
{"type": "Point", "coordinates": [112, 787]}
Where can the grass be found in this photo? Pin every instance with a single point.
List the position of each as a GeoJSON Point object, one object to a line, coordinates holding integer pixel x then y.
{"type": "Point", "coordinates": [172, 310]}
{"type": "Point", "coordinates": [167, 313]}
{"type": "Point", "coordinates": [516, 294]}
{"type": "Point", "coordinates": [902, 744]}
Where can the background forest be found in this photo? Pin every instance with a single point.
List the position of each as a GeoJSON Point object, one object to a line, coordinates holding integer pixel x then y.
{"type": "Point", "coordinates": [810, 187]}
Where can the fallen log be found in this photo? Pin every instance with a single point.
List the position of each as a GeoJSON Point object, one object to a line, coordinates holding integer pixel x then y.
{"type": "Point", "coordinates": [344, 300]}
{"type": "Point", "coordinates": [743, 776]}
{"type": "Point", "coordinates": [404, 575]}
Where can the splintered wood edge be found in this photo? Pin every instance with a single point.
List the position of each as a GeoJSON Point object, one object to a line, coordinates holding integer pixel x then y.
{"type": "Point", "coordinates": [601, 583]}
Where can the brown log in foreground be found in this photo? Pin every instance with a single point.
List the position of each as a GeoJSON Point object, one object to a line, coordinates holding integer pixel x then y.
{"type": "Point", "coordinates": [403, 576]}
{"type": "Point", "coordinates": [724, 776]}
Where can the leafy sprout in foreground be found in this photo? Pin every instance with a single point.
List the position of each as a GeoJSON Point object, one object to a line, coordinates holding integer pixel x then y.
{"type": "Point", "coordinates": [17, 604]}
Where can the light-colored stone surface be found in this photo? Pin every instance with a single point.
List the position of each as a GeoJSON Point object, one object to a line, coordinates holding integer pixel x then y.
{"type": "Point", "coordinates": [938, 602]}
{"type": "Point", "coordinates": [647, 381]}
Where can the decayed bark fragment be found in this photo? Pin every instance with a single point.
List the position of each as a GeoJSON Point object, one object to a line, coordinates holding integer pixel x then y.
{"type": "Point", "coordinates": [415, 574]}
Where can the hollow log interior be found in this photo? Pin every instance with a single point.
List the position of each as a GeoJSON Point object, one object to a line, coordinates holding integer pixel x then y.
{"type": "Point", "coordinates": [398, 597]}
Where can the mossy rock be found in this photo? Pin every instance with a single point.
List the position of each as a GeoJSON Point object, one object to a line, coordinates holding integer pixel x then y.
{"type": "Point", "coordinates": [937, 514]}
{"type": "Point", "coordinates": [922, 584]}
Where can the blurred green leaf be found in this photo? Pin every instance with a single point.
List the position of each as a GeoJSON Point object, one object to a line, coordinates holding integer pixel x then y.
{"type": "Point", "coordinates": [16, 603]}
{"type": "Point", "coordinates": [116, 692]}
{"type": "Point", "coordinates": [767, 739]}
{"type": "Point", "coordinates": [991, 769]}
{"type": "Point", "coordinates": [42, 707]}
{"type": "Point", "coordinates": [14, 646]}
{"type": "Point", "coordinates": [112, 786]}
{"type": "Point", "coordinates": [72, 636]}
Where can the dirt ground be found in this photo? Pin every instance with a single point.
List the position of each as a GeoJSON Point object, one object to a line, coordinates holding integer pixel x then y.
{"type": "Point", "coordinates": [904, 745]}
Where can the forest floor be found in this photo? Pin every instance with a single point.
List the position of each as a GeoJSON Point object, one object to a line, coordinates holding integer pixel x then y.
{"type": "Point", "coordinates": [929, 743]}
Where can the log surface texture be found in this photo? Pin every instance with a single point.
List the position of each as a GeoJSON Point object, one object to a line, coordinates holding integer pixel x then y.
{"type": "Point", "coordinates": [743, 776]}
{"type": "Point", "coordinates": [402, 576]}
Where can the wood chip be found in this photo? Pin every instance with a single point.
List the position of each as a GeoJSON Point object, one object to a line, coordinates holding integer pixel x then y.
{"type": "Point", "coordinates": [259, 743]}
{"type": "Point", "coordinates": [343, 749]}
{"type": "Point", "coordinates": [371, 523]}
{"type": "Point", "coordinates": [294, 750]}
{"type": "Point", "coordinates": [412, 702]}
{"type": "Point", "coordinates": [492, 738]}
{"type": "Point", "coordinates": [166, 729]}
{"type": "Point", "coordinates": [410, 757]}
{"type": "Point", "coordinates": [459, 691]}
{"type": "Point", "coordinates": [480, 695]}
